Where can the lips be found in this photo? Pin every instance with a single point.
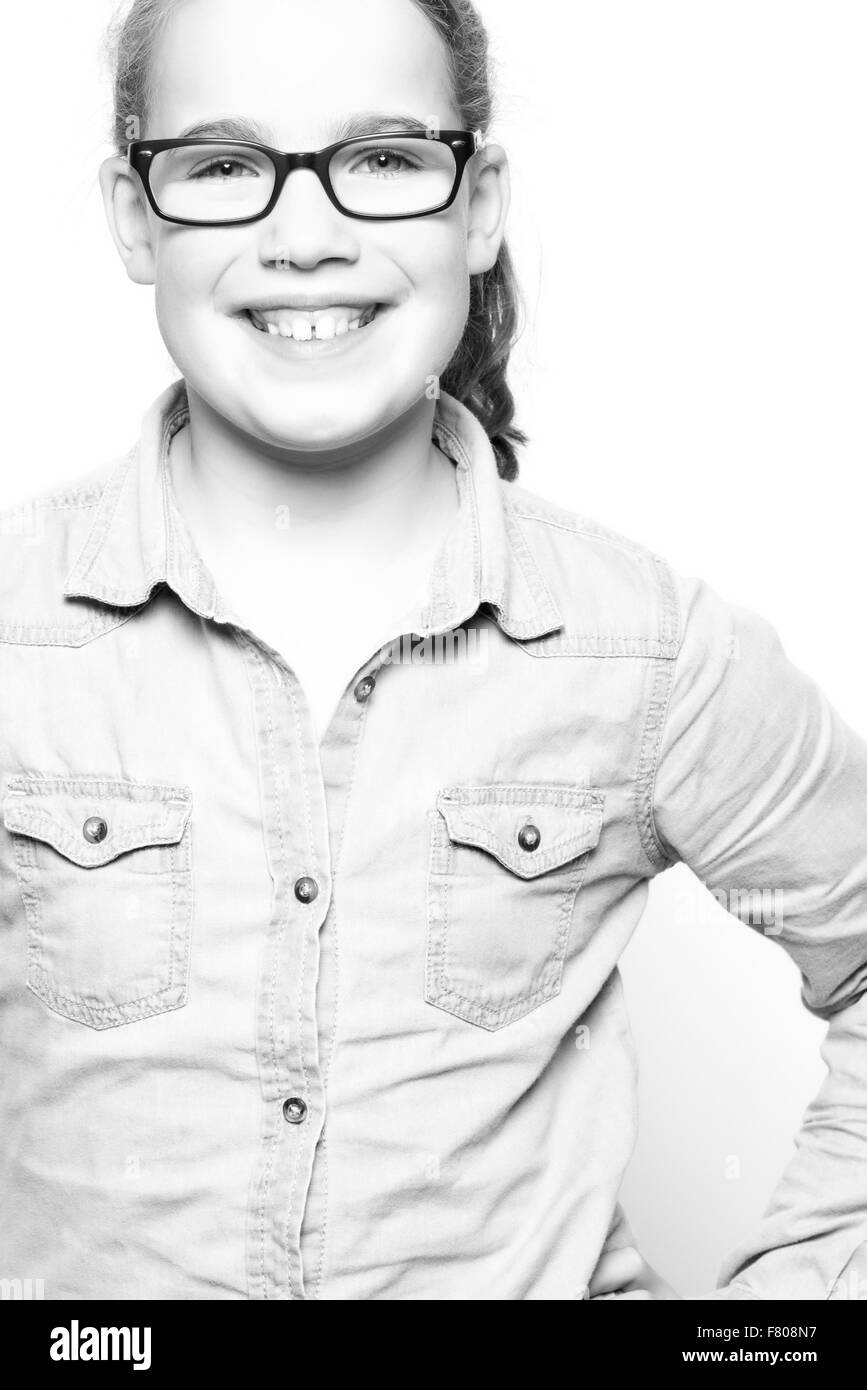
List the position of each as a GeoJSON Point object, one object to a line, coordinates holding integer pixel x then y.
{"type": "Point", "coordinates": [305, 325]}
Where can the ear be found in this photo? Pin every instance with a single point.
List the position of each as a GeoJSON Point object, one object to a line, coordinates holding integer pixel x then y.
{"type": "Point", "coordinates": [128, 218]}
{"type": "Point", "coordinates": [490, 196]}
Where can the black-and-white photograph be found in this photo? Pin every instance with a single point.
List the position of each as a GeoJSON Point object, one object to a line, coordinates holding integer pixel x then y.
{"type": "Point", "coordinates": [433, 707]}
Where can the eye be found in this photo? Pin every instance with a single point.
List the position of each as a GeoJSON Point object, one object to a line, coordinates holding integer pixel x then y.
{"type": "Point", "coordinates": [381, 162]}
{"type": "Point", "coordinates": [223, 169]}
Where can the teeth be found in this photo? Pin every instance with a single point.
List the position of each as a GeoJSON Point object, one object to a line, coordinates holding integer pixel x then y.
{"type": "Point", "coordinates": [321, 325]}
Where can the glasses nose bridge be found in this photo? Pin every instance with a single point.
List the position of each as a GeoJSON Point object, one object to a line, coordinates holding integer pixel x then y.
{"type": "Point", "coordinates": [288, 163]}
{"type": "Point", "coordinates": [303, 160]}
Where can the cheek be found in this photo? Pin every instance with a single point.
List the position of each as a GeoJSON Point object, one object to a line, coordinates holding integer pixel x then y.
{"type": "Point", "coordinates": [175, 302]}
{"type": "Point", "coordinates": [453, 312]}
{"type": "Point", "coordinates": [185, 280]}
{"type": "Point", "coordinates": [442, 288]}
{"type": "Point", "coordinates": [444, 269]}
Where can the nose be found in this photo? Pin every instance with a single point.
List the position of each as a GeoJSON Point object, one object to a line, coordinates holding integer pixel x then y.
{"type": "Point", "coordinates": [304, 227]}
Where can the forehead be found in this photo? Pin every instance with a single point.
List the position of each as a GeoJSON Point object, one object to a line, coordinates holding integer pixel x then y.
{"type": "Point", "coordinates": [298, 68]}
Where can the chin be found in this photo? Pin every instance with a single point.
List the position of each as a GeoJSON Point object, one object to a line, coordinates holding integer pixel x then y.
{"type": "Point", "coordinates": [303, 428]}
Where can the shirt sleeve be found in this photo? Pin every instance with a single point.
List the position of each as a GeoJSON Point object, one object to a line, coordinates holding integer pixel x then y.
{"type": "Point", "coordinates": [760, 788]}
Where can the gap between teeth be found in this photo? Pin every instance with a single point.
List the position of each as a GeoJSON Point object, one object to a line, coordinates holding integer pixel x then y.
{"type": "Point", "coordinates": [302, 330]}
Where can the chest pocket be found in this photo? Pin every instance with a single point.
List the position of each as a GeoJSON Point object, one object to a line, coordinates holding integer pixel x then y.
{"type": "Point", "coordinates": [506, 865]}
{"type": "Point", "coordinates": [104, 873]}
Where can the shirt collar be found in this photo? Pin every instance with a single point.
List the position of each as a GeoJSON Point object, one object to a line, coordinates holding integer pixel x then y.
{"type": "Point", "coordinates": [139, 539]}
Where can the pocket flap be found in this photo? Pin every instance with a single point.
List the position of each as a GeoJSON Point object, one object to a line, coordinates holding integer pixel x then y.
{"type": "Point", "coordinates": [529, 829]}
{"type": "Point", "coordinates": [134, 815]}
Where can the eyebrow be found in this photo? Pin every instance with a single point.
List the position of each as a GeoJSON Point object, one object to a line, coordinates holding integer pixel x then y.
{"type": "Point", "coordinates": [359, 124]}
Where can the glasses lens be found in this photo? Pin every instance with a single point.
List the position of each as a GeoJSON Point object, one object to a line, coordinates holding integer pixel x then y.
{"type": "Point", "coordinates": [393, 176]}
{"type": "Point", "coordinates": [211, 183]}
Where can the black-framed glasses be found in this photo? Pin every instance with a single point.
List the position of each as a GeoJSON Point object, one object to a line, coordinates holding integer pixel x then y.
{"type": "Point", "coordinates": [383, 177]}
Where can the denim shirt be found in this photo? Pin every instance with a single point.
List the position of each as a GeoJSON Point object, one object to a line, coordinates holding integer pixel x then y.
{"type": "Point", "coordinates": [290, 1019]}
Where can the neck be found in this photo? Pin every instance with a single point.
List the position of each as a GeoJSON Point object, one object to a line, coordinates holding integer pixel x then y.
{"type": "Point", "coordinates": [307, 512]}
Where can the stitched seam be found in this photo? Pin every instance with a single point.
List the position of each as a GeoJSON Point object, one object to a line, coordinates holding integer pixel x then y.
{"type": "Point", "coordinates": [112, 787]}
{"type": "Point", "coordinates": [320, 1274]}
{"type": "Point", "coordinates": [130, 594]}
{"type": "Point", "coordinates": [65, 635]}
{"type": "Point", "coordinates": [267, 690]}
{"type": "Point", "coordinates": [85, 503]}
{"type": "Point", "coordinates": [457, 443]}
{"type": "Point", "coordinates": [521, 794]}
{"type": "Point", "coordinates": [31, 904]}
{"type": "Point", "coordinates": [559, 853]}
{"type": "Point", "coordinates": [301, 974]}
{"type": "Point", "coordinates": [578, 644]}
{"type": "Point", "coordinates": [527, 565]}
{"type": "Point", "coordinates": [439, 847]}
{"type": "Point", "coordinates": [37, 975]}
{"type": "Point", "coordinates": [300, 1034]}
{"type": "Point", "coordinates": [64, 503]}
{"type": "Point", "coordinates": [508, 1012]}
{"type": "Point", "coordinates": [628, 547]}
{"type": "Point", "coordinates": [645, 777]}
{"type": "Point", "coordinates": [270, 1150]}
{"type": "Point", "coordinates": [66, 845]}
{"type": "Point", "coordinates": [317, 1282]}
{"type": "Point", "coordinates": [261, 687]}
{"type": "Point", "coordinates": [271, 1121]}
{"type": "Point", "coordinates": [39, 625]}
{"type": "Point", "coordinates": [516, 1005]}
{"type": "Point", "coordinates": [516, 794]}
{"type": "Point", "coordinates": [103, 524]}
{"type": "Point", "coordinates": [654, 724]}
{"type": "Point", "coordinates": [173, 858]}
{"type": "Point", "coordinates": [165, 441]}
{"type": "Point", "coordinates": [99, 1009]}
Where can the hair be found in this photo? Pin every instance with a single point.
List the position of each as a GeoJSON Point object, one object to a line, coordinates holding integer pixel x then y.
{"type": "Point", "coordinates": [477, 373]}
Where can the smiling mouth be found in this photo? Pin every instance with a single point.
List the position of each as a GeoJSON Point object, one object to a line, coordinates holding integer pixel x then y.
{"type": "Point", "coordinates": [321, 325]}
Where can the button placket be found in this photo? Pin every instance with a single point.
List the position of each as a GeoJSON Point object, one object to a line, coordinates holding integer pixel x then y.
{"type": "Point", "coordinates": [293, 1011]}
{"type": "Point", "coordinates": [364, 689]}
{"type": "Point", "coordinates": [294, 1110]}
{"type": "Point", "coordinates": [297, 1003]}
{"type": "Point", "coordinates": [306, 889]}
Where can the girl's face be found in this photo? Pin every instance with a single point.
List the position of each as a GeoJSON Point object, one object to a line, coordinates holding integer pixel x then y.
{"type": "Point", "coordinates": [296, 70]}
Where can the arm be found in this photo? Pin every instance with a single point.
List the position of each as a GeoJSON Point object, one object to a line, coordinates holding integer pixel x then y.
{"type": "Point", "coordinates": [621, 1270]}
{"type": "Point", "coordinates": [761, 789]}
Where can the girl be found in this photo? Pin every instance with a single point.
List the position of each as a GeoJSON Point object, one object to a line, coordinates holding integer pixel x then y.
{"type": "Point", "coordinates": [312, 911]}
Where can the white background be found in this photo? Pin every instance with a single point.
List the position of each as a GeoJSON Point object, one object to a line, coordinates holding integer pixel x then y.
{"type": "Point", "coordinates": [690, 225]}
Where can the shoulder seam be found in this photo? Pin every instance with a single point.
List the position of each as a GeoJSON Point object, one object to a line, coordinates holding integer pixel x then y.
{"type": "Point", "coordinates": [561, 522]}
{"type": "Point", "coordinates": [55, 501]}
{"type": "Point", "coordinates": [665, 668]}
{"type": "Point", "coordinates": [85, 491]}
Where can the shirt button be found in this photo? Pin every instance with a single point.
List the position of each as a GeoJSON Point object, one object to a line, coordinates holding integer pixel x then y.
{"type": "Point", "coordinates": [95, 829]}
{"type": "Point", "coordinates": [306, 889]}
{"type": "Point", "coordinates": [529, 837]}
{"type": "Point", "coordinates": [364, 689]}
{"type": "Point", "coordinates": [294, 1111]}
